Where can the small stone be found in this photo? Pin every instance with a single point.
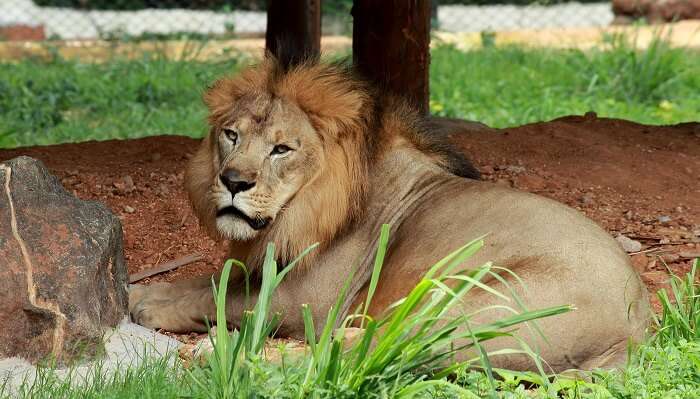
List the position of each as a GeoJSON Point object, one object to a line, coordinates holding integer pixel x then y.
{"type": "Point", "coordinates": [163, 189]}
{"type": "Point", "coordinates": [664, 241]}
{"type": "Point", "coordinates": [629, 215]}
{"type": "Point", "coordinates": [679, 209]}
{"type": "Point", "coordinates": [628, 244]}
{"type": "Point", "coordinates": [129, 209]}
{"type": "Point", "coordinates": [515, 169]}
{"type": "Point", "coordinates": [487, 170]}
{"type": "Point", "coordinates": [587, 199]}
{"type": "Point", "coordinates": [126, 185]}
{"type": "Point", "coordinates": [590, 115]}
{"type": "Point", "coordinates": [664, 219]}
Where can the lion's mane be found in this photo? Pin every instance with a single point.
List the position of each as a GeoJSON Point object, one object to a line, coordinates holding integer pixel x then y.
{"type": "Point", "coordinates": [356, 125]}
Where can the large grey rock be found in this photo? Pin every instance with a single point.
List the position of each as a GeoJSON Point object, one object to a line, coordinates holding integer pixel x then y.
{"type": "Point", "coordinates": [62, 273]}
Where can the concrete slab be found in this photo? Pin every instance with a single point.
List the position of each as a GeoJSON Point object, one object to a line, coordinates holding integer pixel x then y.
{"type": "Point", "coordinates": [125, 346]}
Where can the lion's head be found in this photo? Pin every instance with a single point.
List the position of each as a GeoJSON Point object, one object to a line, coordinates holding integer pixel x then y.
{"type": "Point", "coordinates": [284, 154]}
{"type": "Point", "coordinates": [286, 159]}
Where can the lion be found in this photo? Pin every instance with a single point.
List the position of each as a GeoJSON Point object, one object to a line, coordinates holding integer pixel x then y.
{"type": "Point", "coordinates": [313, 153]}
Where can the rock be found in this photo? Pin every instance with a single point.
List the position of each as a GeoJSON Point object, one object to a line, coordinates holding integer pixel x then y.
{"type": "Point", "coordinates": [162, 190]}
{"type": "Point", "coordinates": [664, 219]}
{"type": "Point", "coordinates": [515, 169]}
{"type": "Point", "coordinates": [129, 209]}
{"type": "Point", "coordinates": [126, 185]}
{"type": "Point", "coordinates": [628, 244]}
{"type": "Point", "coordinates": [487, 169]}
{"type": "Point", "coordinates": [587, 199]}
{"type": "Point", "coordinates": [62, 273]}
{"type": "Point", "coordinates": [590, 115]}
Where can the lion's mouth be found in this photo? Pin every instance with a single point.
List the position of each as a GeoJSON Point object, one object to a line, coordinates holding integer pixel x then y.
{"type": "Point", "coordinates": [255, 223]}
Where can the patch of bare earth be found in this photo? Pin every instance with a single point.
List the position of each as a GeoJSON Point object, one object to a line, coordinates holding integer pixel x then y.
{"type": "Point", "coordinates": [639, 181]}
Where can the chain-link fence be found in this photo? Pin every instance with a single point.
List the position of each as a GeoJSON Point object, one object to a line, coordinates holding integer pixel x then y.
{"type": "Point", "coordinates": [121, 19]}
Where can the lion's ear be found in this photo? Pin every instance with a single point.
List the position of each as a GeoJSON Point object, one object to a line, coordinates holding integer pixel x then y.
{"type": "Point", "coordinates": [335, 115]}
{"type": "Point", "coordinates": [333, 101]}
{"type": "Point", "coordinates": [220, 94]}
{"type": "Point", "coordinates": [223, 93]}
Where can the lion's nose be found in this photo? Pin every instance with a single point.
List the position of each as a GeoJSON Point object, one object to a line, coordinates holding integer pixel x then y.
{"type": "Point", "coordinates": [234, 182]}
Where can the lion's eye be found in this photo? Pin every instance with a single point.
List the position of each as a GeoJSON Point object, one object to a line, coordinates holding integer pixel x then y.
{"type": "Point", "coordinates": [231, 134]}
{"type": "Point", "coordinates": [280, 149]}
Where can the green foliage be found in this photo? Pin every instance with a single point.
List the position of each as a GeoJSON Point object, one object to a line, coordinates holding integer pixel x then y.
{"type": "Point", "coordinates": [69, 101]}
{"type": "Point", "coordinates": [501, 86]}
{"type": "Point", "coordinates": [638, 76]}
{"type": "Point", "coordinates": [511, 85]}
{"type": "Point", "coordinates": [680, 315]}
{"type": "Point", "coordinates": [405, 353]}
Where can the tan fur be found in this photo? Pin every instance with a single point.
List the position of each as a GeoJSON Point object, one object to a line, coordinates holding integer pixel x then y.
{"type": "Point", "coordinates": [340, 108]}
{"type": "Point", "coordinates": [367, 159]}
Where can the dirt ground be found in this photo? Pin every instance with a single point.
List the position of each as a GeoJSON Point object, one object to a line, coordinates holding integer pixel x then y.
{"type": "Point", "coordinates": [639, 181]}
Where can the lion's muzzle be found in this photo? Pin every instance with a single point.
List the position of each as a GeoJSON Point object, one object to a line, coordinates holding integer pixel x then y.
{"type": "Point", "coordinates": [255, 223]}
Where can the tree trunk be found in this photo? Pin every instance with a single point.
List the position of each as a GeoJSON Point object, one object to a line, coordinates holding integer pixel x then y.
{"type": "Point", "coordinates": [293, 30]}
{"type": "Point", "coordinates": [390, 46]}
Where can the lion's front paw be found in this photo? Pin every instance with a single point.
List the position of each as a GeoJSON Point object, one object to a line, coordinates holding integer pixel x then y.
{"type": "Point", "coordinates": [139, 292]}
{"type": "Point", "coordinates": [162, 306]}
{"type": "Point", "coordinates": [153, 306]}
{"type": "Point", "coordinates": [154, 313]}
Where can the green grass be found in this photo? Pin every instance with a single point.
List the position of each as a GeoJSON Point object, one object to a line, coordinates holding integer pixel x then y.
{"type": "Point", "coordinates": [406, 353]}
{"type": "Point", "coordinates": [46, 102]}
{"type": "Point", "coordinates": [64, 101]}
{"type": "Point", "coordinates": [509, 86]}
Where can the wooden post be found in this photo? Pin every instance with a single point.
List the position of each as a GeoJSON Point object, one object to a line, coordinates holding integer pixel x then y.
{"type": "Point", "coordinates": [293, 29]}
{"type": "Point", "coordinates": [391, 40]}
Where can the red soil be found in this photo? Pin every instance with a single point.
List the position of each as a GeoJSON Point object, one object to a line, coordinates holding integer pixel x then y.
{"type": "Point", "coordinates": [640, 181]}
